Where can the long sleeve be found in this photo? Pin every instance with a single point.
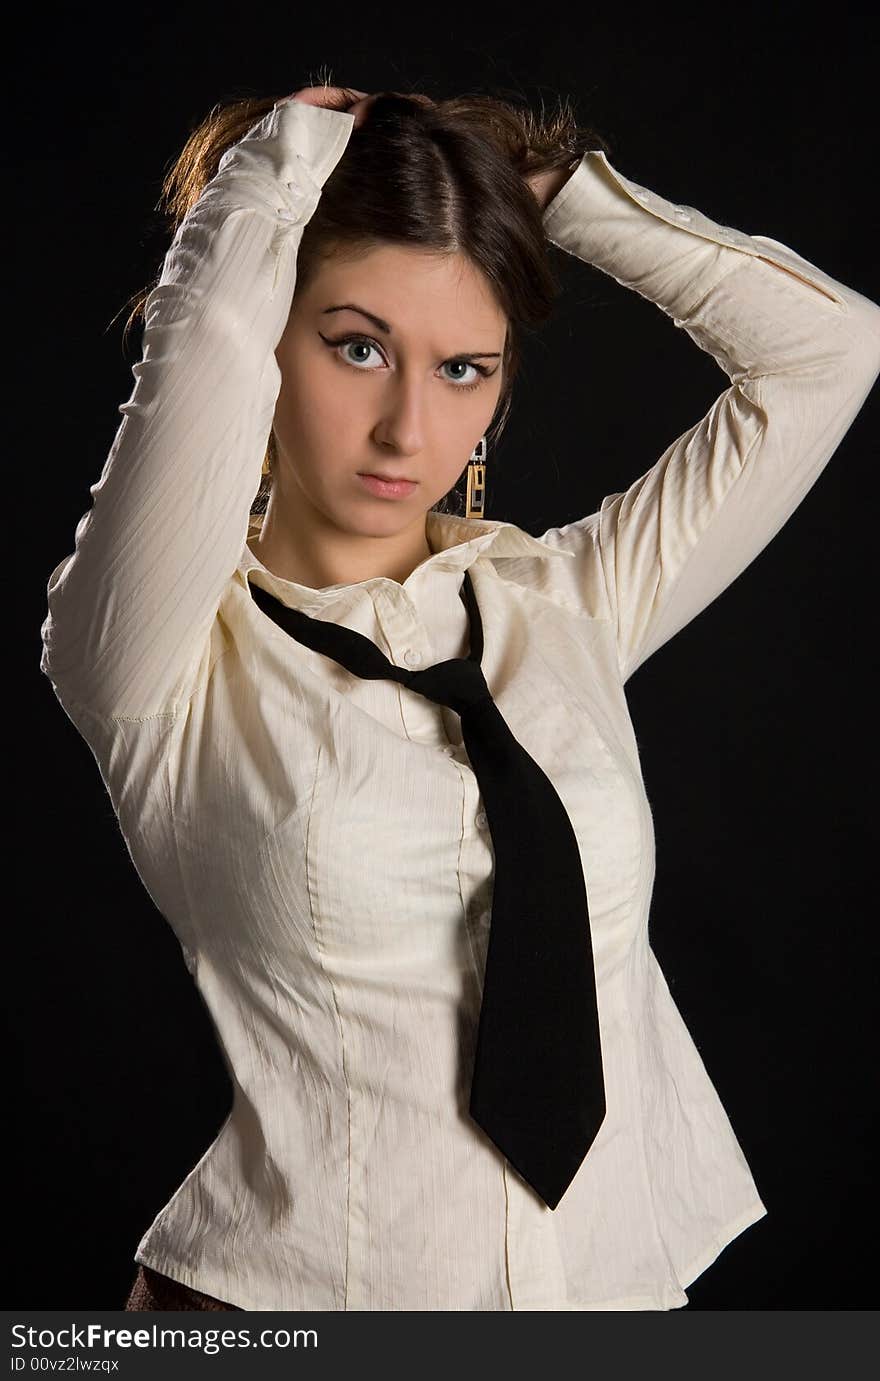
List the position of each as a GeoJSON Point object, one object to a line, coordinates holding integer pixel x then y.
{"type": "Point", "coordinates": [130, 610]}
{"type": "Point", "coordinates": [802, 352]}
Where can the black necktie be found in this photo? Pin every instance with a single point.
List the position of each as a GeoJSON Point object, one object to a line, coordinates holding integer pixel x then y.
{"type": "Point", "coordinates": [537, 1088]}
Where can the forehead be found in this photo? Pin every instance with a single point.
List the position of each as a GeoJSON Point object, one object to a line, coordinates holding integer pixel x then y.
{"type": "Point", "coordinates": [402, 283]}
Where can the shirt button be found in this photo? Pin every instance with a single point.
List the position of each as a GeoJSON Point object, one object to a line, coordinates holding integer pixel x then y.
{"type": "Point", "coordinates": [448, 749]}
{"type": "Point", "coordinates": [484, 918]}
{"type": "Point", "coordinates": [682, 215]}
{"type": "Point", "coordinates": [412, 656]}
{"type": "Point", "coordinates": [481, 821]}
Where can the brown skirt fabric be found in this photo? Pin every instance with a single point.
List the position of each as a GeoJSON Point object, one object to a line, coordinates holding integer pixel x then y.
{"type": "Point", "coordinates": [151, 1290]}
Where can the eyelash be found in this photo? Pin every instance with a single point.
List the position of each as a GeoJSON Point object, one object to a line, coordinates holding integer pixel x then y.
{"type": "Point", "coordinates": [483, 370]}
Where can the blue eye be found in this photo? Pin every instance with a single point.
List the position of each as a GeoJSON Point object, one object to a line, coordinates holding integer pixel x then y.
{"type": "Point", "coordinates": [482, 370]}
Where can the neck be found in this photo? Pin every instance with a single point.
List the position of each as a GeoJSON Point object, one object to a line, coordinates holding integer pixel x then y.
{"type": "Point", "coordinates": [319, 554]}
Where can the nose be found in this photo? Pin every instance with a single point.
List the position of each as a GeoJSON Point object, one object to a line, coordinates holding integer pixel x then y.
{"type": "Point", "coordinates": [402, 424]}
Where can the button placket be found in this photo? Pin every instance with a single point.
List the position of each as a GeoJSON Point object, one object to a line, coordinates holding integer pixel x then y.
{"type": "Point", "coordinates": [408, 646]}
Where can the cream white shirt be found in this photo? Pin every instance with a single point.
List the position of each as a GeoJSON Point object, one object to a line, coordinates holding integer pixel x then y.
{"type": "Point", "coordinates": [316, 840]}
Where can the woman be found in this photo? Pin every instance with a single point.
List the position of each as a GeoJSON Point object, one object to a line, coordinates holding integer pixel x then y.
{"type": "Point", "coordinates": [318, 833]}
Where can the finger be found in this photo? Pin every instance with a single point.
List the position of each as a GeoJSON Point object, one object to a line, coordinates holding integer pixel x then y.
{"type": "Point", "coordinates": [325, 95]}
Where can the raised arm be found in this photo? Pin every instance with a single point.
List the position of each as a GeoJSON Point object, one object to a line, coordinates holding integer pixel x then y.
{"type": "Point", "coordinates": [131, 608]}
{"type": "Point", "coordinates": [801, 350]}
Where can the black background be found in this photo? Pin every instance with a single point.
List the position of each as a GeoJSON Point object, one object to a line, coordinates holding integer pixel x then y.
{"type": "Point", "coordinates": [756, 737]}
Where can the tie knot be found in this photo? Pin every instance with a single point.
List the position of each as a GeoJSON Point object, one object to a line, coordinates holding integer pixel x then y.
{"type": "Point", "coordinates": [458, 683]}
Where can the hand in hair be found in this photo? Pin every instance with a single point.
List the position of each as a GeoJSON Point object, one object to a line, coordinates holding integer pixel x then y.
{"type": "Point", "coordinates": [340, 98]}
{"type": "Point", "coordinates": [545, 185]}
{"type": "Point", "coordinates": [548, 184]}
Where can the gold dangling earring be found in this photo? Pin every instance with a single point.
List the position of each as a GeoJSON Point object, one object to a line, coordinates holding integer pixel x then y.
{"type": "Point", "coordinates": [476, 481]}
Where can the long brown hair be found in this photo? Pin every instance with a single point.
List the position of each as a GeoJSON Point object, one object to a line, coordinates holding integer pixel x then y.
{"type": "Point", "coordinates": [447, 177]}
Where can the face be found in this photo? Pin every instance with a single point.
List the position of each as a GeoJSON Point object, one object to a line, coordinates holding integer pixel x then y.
{"type": "Point", "coordinates": [410, 402]}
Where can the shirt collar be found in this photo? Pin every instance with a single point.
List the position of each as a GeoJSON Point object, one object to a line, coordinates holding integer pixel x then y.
{"type": "Point", "coordinates": [456, 543]}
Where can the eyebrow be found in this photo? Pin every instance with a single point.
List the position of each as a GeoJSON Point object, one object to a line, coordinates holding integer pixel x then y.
{"type": "Point", "coordinates": [383, 326]}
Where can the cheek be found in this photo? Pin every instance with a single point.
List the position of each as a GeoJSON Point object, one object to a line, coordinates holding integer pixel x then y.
{"type": "Point", "coordinates": [308, 408]}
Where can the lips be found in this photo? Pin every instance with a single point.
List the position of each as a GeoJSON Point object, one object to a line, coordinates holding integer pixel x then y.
{"type": "Point", "coordinates": [391, 479]}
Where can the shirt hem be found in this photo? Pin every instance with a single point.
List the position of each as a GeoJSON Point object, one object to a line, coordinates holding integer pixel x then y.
{"type": "Point", "coordinates": [698, 1264]}
{"type": "Point", "coordinates": [197, 1279]}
